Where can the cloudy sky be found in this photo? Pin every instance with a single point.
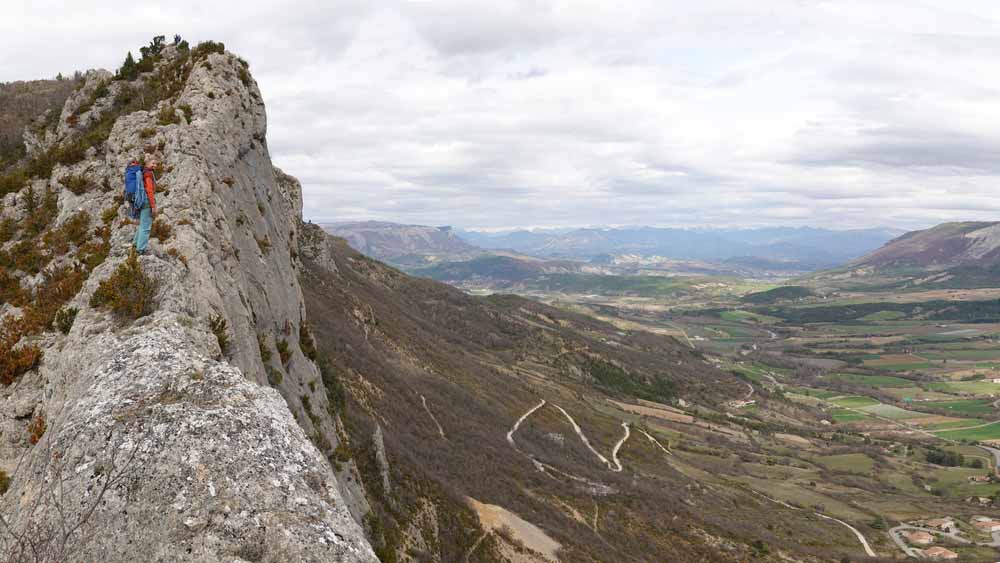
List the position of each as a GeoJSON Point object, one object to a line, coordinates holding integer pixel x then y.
{"type": "Point", "coordinates": [836, 113]}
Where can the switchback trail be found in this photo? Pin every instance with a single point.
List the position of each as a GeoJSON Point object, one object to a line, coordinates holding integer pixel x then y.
{"type": "Point", "coordinates": [583, 438]}
{"type": "Point", "coordinates": [510, 435]}
{"type": "Point", "coordinates": [618, 446]}
{"type": "Point", "coordinates": [549, 470]}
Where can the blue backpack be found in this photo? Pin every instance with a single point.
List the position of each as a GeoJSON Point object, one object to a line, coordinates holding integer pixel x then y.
{"type": "Point", "coordinates": [135, 192]}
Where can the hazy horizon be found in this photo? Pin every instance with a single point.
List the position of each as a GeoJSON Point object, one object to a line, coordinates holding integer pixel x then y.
{"type": "Point", "coordinates": [536, 228]}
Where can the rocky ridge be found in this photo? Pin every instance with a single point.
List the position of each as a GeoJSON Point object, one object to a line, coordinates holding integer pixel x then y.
{"type": "Point", "coordinates": [403, 244]}
{"type": "Point", "coordinates": [163, 439]}
{"type": "Point", "coordinates": [947, 245]}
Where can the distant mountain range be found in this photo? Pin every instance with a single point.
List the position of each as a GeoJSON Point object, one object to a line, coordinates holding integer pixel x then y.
{"type": "Point", "coordinates": [403, 244]}
{"type": "Point", "coordinates": [801, 249]}
{"type": "Point", "coordinates": [531, 259]}
{"type": "Point", "coordinates": [949, 255]}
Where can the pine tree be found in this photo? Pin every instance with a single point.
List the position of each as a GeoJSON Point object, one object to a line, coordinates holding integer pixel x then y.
{"type": "Point", "coordinates": [129, 70]}
{"type": "Point", "coordinates": [30, 201]}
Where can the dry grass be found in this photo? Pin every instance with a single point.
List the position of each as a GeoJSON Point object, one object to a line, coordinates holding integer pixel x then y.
{"type": "Point", "coordinates": [161, 230]}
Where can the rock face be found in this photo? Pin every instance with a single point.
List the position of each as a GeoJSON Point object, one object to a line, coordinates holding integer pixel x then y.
{"type": "Point", "coordinates": [163, 441]}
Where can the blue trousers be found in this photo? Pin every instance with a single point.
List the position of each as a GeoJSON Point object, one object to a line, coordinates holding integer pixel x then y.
{"type": "Point", "coordinates": [142, 233]}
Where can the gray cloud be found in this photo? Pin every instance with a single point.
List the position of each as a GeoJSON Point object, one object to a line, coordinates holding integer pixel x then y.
{"type": "Point", "coordinates": [538, 112]}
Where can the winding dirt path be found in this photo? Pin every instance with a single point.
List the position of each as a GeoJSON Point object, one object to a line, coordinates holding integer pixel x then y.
{"type": "Point", "coordinates": [510, 435]}
{"type": "Point", "coordinates": [618, 446]}
{"type": "Point", "coordinates": [861, 538]}
{"type": "Point", "coordinates": [657, 442]}
{"type": "Point", "coordinates": [434, 418]}
{"type": "Point", "coordinates": [583, 437]}
{"type": "Point", "coordinates": [774, 381]}
{"type": "Point", "coordinates": [549, 470]}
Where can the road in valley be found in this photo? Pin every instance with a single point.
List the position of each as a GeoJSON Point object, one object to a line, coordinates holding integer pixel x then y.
{"type": "Point", "coordinates": [995, 452]}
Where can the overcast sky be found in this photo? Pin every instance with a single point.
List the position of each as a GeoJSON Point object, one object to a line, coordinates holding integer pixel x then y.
{"type": "Point", "coordinates": [832, 113]}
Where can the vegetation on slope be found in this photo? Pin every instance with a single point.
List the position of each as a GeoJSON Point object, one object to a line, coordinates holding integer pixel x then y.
{"type": "Point", "coordinates": [783, 293]}
{"type": "Point", "coordinates": [404, 348]}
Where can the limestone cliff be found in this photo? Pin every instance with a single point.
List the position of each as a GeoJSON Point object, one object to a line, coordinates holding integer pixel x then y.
{"type": "Point", "coordinates": [187, 434]}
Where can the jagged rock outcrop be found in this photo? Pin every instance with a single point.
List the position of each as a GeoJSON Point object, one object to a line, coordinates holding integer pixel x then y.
{"type": "Point", "coordinates": [382, 460]}
{"type": "Point", "coordinates": [163, 441]}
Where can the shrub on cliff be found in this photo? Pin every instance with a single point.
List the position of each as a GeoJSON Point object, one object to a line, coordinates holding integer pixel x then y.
{"type": "Point", "coordinates": [206, 48]}
{"type": "Point", "coordinates": [284, 352]}
{"type": "Point", "coordinates": [76, 183]}
{"type": "Point", "coordinates": [161, 230]}
{"type": "Point", "coordinates": [57, 288]}
{"type": "Point", "coordinates": [306, 342]}
{"type": "Point", "coordinates": [219, 327]}
{"type": "Point", "coordinates": [128, 293]}
{"type": "Point", "coordinates": [15, 360]}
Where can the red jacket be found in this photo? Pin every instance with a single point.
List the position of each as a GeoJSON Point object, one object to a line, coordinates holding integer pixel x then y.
{"type": "Point", "coordinates": [150, 184]}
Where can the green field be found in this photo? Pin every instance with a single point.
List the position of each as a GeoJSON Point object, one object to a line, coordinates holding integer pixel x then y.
{"type": "Point", "coordinates": [893, 412]}
{"type": "Point", "coordinates": [810, 392]}
{"type": "Point", "coordinates": [855, 401]}
{"type": "Point", "coordinates": [988, 432]}
{"type": "Point", "coordinates": [953, 424]}
{"type": "Point", "coordinates": [911, 393]}
{"type": "Point", "coordinates": [971, 387]}
{"type": "Point", "coordinates": [844, 415]}
{"type": "Point", "coordinates": [908, 366]}
{"type": "Point", "coordinates": [884, 316]}
{"type": "Point", "coordinates": [853, 463]}
{"type": "Point", "coordinates": [737, 331]}
{"type": "Point", "coordinates": [961, 354]}
{"type": "Point", "coordinates": [971, 407]}
{"type": "Point", "coordinates": [872, 380]}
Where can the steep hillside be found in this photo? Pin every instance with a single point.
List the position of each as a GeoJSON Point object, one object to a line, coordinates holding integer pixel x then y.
{"type": "Point", "coordinates": [403, 244]}
{"type": "Point", "coordinates": [945, 246]}
{"type": "Point", "coordinates": [456, 402]}
{"type": "Point", "coordinates": [149, 401]}
{"type": "Point", "coordinates": [951, 255]}
{"type": "Point", "coordinates": [23, 103]}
